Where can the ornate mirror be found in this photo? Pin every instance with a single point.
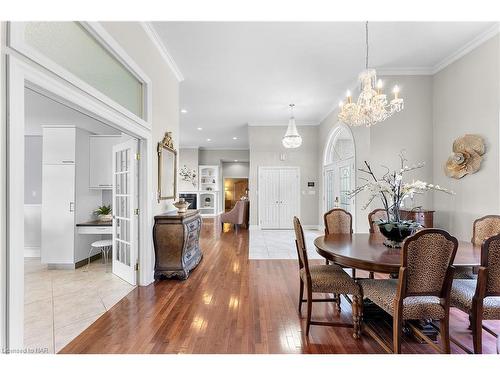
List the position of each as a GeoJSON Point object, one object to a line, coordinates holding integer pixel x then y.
{"type": "Point", "coordinates": [167, 168]}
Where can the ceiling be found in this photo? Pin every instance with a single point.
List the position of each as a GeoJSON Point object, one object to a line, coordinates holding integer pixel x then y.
{"type": "Point", "coordinates": [40, 110]}
{"type": "Point", "coordinates": [240, 73]}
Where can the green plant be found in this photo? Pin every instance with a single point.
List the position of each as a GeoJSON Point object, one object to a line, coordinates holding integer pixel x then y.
{"type": "Point", "coordinates": [103, 210]}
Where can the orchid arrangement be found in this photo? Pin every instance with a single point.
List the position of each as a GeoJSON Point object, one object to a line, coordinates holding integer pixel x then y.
{"type": "Point", "coordinates": [188, 175]}
{"type": "Point", "coordinates": [391, 188]}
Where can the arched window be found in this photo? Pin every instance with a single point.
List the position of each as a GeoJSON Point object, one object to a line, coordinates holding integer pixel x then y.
{"type": "Point", "coordinates": [339, 169]}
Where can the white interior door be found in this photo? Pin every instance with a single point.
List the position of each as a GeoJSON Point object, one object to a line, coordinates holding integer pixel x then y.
{"type": "Point", "coordinates": [269, 197]}
{"type": "Point", "coordinates": [289, 196]}
{"type": "Point", "coordinates": [125, 209]}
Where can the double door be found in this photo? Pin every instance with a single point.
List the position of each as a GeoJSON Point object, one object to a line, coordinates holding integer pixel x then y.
{"type": "Point", "coordinates": [279, 197]}
{"type": "Point", "coordinates": [338, 182]}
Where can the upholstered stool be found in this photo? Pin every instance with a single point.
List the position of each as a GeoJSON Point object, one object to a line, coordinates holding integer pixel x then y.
{"type": "Point", "coordinates": [103, 246]}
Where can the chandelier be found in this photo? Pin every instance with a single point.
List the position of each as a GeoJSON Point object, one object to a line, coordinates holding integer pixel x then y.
{"type": "Point", "coordinates": [372, 105]}
{"type": "Point", "coordinates": [292, 138]}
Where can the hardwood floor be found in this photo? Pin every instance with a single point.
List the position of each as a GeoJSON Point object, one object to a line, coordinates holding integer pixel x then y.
{"type": "Point", "coordinates": [231, 304]}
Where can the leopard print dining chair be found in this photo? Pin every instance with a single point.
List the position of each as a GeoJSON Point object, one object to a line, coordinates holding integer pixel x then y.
{"type": "Point", "coordinates": [338, 221]}
{"type": "Point", "coordinates": [423, 288]}
{"type": "Point", "coordinates": [375, 215]}
{"type": "Point", "coordinates": [482, 229]}
{"type": "Point", "coordinates": [480, 298]}
{"type": "Point", "coordinates": [324, 278]}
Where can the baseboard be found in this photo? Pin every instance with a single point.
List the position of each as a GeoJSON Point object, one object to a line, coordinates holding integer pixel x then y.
{"type": "Point", "coordinates": [32, 252]}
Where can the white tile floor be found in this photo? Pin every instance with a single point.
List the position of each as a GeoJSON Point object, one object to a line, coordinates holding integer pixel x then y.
{"type": "Point", "coordinates": [279, 244]}
{"type": "Point", "coordinates": [60, 304]}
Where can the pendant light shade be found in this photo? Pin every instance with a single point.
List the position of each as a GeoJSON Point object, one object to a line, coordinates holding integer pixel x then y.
{"type": "Point", "coordinates": [292, 138]}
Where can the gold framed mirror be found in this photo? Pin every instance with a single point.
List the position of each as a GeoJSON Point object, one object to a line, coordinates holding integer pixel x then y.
{"type": "Point", "coordinates": [167, 168]}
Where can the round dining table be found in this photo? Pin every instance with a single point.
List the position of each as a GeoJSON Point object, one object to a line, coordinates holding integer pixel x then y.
{"type": "Point", "coordinates": [366, 251]}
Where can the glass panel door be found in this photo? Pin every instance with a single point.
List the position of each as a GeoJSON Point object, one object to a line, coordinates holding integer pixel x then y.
{"type": "Point", "coordinates": [125, 234]}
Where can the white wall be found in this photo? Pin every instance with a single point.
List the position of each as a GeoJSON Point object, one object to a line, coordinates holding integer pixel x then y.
{"type": "Point", "coordinates": [188, 157]}
{"type": "Point", "coordinates": [165, 117]}
{"type": "Point", "coordinates": [265, 149]}
{"type": "Point", "coordinates": [214, 157]}
{"type": "Point", "coordinates": [466, 101]}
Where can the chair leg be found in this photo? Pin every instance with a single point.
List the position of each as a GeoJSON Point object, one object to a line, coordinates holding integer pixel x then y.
{"type": "Point", "coordinates": [327, 262]}
{"type": "Point", "coordinates": [397, 325]}
{"type": "Point", "coordinates": [337, 304]}
{"type": "Point", "coordinates": [477, 333]}
{"type": "Point", "coordinates": [354, 273]}
{"type": "Point", "coordinates": [355, 317]}
{"type": "Point", "coordinates": [371, 275]}
{"type": "Point", "coordinates": [88, 263]}
{"type": "Point", "coordinates": [444, 328]}
{"type": "Point", "coordinates": [309, 310]}
{"type": "Point", "coordinates": [301, 295]}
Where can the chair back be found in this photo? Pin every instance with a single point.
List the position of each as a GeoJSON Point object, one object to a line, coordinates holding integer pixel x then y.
{"type": "Point", "coordinates": [301, 245]}
{"type": "Point", "coordinates": [428, 257]}
{"type": "Point", "coordinates": [338, 221]}
{"type": "Point", "coordinates": [377, 214]}
{"type": "Point", "coordinates": [490, 259]}
{"type": "Point", "coordinates": [485, 227]}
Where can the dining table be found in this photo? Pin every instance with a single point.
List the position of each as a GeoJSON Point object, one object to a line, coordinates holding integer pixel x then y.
{"type": "Point", "coordinates": [366, 251]}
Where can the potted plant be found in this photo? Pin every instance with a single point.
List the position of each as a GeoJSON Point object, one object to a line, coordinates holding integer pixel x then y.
{"type": "Point", "coordinates": [392, 190]}
{"type": "Point", "coordinates": [104, 213]}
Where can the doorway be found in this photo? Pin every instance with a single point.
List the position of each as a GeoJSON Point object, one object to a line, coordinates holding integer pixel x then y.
{"type": "Point", "coordinates": [234, 190]}
{"type": "Point", "coordinates": [24, 77]}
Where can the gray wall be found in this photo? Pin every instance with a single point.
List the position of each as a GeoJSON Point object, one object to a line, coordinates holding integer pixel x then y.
{"type": "Point", "coordinates": [235, 170]}
{"type": "Point", "coordinates": [466, 101]}
{"type": "Point", "coordinates": [214, 157]}
{"type": "Point", "coordinates": [265, 150]}
{"type": "Point", "coordinates": [33, 170]}
{"type": "Point", "coordinates": [188, 157]}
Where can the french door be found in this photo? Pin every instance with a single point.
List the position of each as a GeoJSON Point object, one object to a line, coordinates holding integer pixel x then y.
{"type": "Point", "coordinates": [125, 210]}
{"type": "Point", "coordinates": [338, 182]}
{"type": "Point", "coordinates": [279, 197]}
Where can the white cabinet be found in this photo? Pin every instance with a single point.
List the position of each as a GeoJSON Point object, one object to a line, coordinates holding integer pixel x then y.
{"type": "Point", "coordinates": [279, 197]}
{"type": "Point", "coordinates": [59, 145]}
{"type": "Point", "coordinates": [66, 197]}
{"type": "Point", "coordinates": [101, 160]}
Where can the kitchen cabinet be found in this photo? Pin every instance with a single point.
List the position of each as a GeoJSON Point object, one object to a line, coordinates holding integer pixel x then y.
{"type": "Point", "coordinates": [59, 145]}
{"type": "Point", "coordinates": [101, 160]}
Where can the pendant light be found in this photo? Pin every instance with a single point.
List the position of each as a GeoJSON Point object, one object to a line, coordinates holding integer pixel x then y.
{"type": "Point", "coordinates": [292, 138]}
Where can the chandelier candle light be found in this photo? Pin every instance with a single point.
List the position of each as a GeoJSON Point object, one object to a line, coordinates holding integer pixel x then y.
{"type": "Point", "coordinates": [292, 138]}
{"type": "Point", "coordinates": [372, 106]}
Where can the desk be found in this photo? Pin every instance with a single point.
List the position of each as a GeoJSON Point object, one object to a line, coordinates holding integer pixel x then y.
{"type": "Point", "coordinates": [95, 227]}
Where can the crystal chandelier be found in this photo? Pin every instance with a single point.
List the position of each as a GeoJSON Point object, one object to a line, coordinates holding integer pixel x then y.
{"type": "Point", "coordinates": [372, 106]}
{"type": "Point", "coordinates": [292, 138]}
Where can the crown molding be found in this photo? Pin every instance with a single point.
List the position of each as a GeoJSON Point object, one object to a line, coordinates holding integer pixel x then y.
{"type": "Point", "coordinates": [468, 47]}
{"type": "Point", "coordinates": [158, 43]}
{"type": "Point", "coordinates": [278, 124]}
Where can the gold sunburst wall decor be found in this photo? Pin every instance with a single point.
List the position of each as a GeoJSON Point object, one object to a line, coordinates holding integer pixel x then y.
{"type": "Point", "coordinates": [468, 152]}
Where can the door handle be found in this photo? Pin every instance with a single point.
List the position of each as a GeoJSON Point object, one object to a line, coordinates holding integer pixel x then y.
{"type": "Point", "coordinates": [71, 206]}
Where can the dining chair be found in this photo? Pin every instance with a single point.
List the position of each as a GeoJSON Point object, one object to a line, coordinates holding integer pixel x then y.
{"type": "Point", "coordinates": [325, 278]}
{"type": "Point", "coordinates": [338, 221]}
{"type": "Point", "coordinates": [480, 298]}
{"type": "Point", "coordinates": [422, 290]}
{"type": "Point", "coordinates": [377, 214]}
{"type": "Point", "coordinates": [482, 228]}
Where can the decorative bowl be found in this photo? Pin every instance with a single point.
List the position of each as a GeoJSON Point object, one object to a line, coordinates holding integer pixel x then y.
{"type": "Point", "coordinates": [105, 218]}
{"type": "Point", "coordinates": [396, 232]}
{"type": "Point", "coordinates": [181, 206]}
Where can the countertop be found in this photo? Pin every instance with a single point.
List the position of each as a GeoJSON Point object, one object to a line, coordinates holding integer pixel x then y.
{"type": "Point", "coordinates": [95, 223]}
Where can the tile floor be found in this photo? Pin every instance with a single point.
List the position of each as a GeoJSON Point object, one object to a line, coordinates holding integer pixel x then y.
{"type": "Point", "coordinates": [60, 304]}
{"type": "Point", "coordinates": [279, 244]}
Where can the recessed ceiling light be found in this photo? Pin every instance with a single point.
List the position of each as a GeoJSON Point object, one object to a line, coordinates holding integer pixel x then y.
{"type": "Point", "coordinates": [235, 138]}
{"type": "Point", "coordinates": [184, 110]}
{"type": "Point", "coordinates": [199, 128]}
{"type": "Point", "coordinates": [208, 139]}
{"type": "Point", "coordinates": [236, 161]}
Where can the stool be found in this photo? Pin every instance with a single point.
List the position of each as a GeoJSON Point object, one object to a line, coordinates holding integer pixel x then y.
{"type": "Point", "coordinates": [103, 246]}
